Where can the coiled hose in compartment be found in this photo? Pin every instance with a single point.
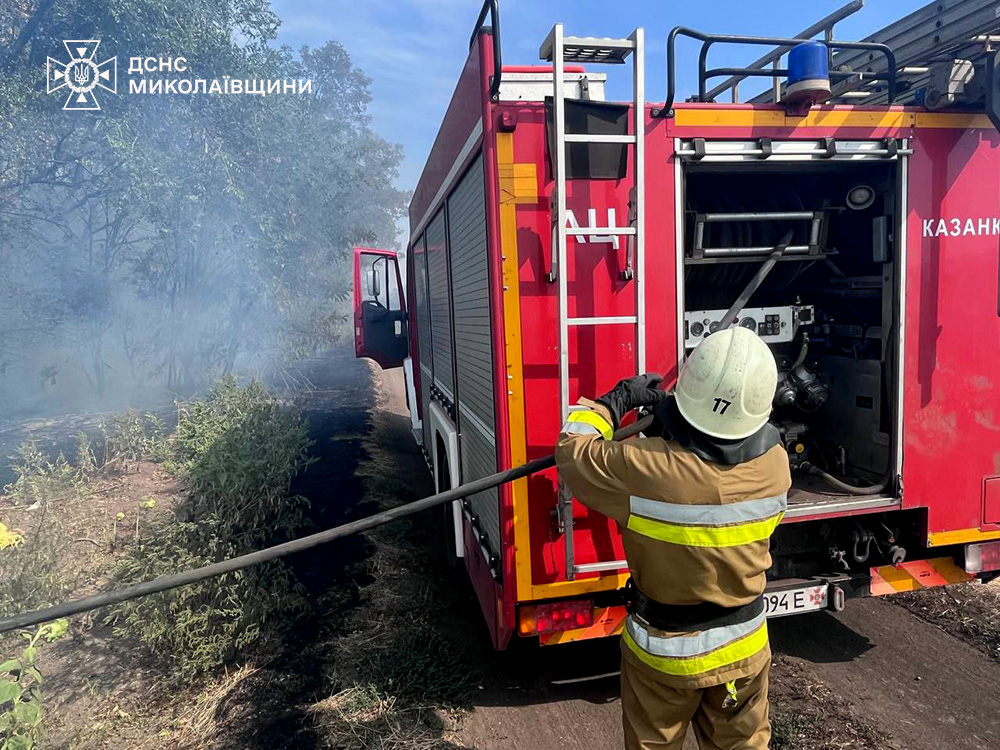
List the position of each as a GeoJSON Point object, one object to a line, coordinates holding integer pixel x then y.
{"type": "Point", "coordinates": [850, 489]}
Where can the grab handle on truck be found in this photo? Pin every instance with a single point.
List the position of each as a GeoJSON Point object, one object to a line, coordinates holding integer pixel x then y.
{"type": "Point", "coordinates": [707, 40]}
{"type": "Point", "coordinates": [491, 7]}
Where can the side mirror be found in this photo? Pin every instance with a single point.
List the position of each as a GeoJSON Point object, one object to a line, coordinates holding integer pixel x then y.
{"type": "Point", "coordinates": [374, 284]}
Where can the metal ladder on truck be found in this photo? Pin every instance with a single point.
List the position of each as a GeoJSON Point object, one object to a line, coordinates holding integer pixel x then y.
{"type": "Point", "coordinates": [560, 49]}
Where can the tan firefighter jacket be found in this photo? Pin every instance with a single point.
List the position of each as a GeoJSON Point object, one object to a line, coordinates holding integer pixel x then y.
{"type": "Point", "coordinates": [694, 532]}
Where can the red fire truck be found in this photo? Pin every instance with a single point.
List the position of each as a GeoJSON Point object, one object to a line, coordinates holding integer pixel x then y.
{"type": "Point", "coordinates": [560, 241]}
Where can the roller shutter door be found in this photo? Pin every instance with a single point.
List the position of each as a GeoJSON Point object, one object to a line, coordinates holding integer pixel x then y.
{"type": "Point", "coordinates": [437, 274]}
{"type": "Point", "coordinates": [474, 343]}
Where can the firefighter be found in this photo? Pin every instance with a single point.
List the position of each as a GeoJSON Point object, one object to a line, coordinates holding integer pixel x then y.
{"type": "Point", "coordinates": [697, 500]}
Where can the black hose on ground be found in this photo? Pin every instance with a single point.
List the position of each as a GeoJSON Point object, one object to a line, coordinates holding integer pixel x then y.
{"type": "Point", "coordinates": [165, 583]}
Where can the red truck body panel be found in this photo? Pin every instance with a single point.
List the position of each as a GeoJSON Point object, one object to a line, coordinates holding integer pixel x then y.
{"type": "Point", "coordinates": [952, 408]}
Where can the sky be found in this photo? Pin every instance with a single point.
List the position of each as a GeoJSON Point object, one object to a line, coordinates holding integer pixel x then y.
{"type": "Point", "coordinates": [414, 50]}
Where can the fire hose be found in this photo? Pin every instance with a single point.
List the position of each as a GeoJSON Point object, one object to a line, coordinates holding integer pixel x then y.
{"type": "Point", "coordinates": [175, 580]}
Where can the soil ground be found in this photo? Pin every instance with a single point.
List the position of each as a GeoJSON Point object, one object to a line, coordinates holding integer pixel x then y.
{"type": "Point", "coordinates": [873, 676]}
{"type": "Point", "coordinates": [970, 611]}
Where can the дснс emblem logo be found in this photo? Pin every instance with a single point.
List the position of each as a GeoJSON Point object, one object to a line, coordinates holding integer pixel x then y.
{"type": "Point", "coordinates": [82, 74]}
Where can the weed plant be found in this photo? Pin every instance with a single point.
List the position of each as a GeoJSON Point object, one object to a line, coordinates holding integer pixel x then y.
{"type": "Point", "coordinates": [237, 449]}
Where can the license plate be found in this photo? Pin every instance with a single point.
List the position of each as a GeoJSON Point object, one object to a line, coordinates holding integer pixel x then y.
{"type": "Point", "coordinates": [796, 601]}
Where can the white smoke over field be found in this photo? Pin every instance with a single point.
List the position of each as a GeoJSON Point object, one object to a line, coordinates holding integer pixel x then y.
{"type": "Point", "coordinates": [152, 246]}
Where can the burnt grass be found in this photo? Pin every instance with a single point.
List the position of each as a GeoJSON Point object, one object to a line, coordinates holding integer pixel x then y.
{"type": "Point", "coordinates": [384, 605]}
{"type": "Point", "coordinates": [267, 710]}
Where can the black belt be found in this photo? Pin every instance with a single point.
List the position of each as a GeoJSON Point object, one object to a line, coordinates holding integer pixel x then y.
{"type": "Point", "coordinates": [687, 617]}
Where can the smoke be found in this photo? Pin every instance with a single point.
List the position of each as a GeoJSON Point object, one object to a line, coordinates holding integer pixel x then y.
{"type": "Point", "coordinates": [151, 247]}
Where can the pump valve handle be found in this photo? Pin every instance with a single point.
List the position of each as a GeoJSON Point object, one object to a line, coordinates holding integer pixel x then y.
{"type": "Point", "coordinates": [730, 317]}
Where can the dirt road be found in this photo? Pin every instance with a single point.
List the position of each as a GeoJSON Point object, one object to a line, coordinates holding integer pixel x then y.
{"type": "Point", "coordinates": [909, 680]}
{"type": "Point", "coordinates": [926, 688]}
{"type": "Point", "coordinates": [873, 676]}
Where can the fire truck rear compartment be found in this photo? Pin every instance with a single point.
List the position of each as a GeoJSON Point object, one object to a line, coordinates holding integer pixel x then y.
{"type": "Point", "coordinates": [827, 309]}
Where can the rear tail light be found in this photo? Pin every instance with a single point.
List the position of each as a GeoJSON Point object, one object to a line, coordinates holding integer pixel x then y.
{"type": "Point", "coordinates": [556, 617]}
{"type": "Point", "coordinates": [981, 558]}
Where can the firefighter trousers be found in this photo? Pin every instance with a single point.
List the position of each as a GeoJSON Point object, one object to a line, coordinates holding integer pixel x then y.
{"type": "Point", "coordinates": [656, 716]}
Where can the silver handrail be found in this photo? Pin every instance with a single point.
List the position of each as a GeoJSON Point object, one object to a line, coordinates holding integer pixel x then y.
{"type": "Point", "coordinates": [824, 24]}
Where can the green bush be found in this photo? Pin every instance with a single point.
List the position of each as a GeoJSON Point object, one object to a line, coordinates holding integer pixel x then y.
{"type": "Point", "coordinates": [39, 479]}
{"type": "Point", "coordinates": [196, 628]}
{"type": "Point", "coordinates": [30, 572]}
{"type": "Point", "coordinates": [86, 461]}
{"type": "Point", "coordinates": [20, 693]}
{"type": "Point", "coordinates": [238, 451]}
{"type": "Point", "coordinates": [129, 438]}
{"type": "Point", "coordinates": [157, 445]}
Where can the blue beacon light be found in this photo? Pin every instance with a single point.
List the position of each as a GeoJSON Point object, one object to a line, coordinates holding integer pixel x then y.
{"type": "Point", "coordinates": [808, 74]}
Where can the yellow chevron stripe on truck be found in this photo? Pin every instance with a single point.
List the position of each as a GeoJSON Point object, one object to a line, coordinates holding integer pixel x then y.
{"type": "Point", "coordinates": [916, 575]}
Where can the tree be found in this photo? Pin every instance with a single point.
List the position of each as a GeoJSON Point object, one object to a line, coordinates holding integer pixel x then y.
{"type": "Point", "coordinates": [168, 239]}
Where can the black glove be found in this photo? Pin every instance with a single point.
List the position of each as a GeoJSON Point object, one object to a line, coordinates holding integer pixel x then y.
{"type": "Point", "coordinates": [632, 393]}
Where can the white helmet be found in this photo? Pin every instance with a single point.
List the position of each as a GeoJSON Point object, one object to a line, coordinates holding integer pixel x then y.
{"type": "Point", "coordinates": [727, 384]}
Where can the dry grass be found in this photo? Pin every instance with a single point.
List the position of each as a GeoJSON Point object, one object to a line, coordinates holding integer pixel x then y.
{"type": "Point", "coordinates": [399, 682]}
{"type": "Point", "coordinates": [197, 726]}
{"type": "Point", "coordinates": [401, 637]}
{"type": "Point", "coordinates": [362, 717]}
{"type": "Point", "coordinates": [807, 715]}
{"type": "Point", "coordinates": [969, 611]}
{"type": "Point", "coordinates": [399, 675]}
{"type": "Point", "coordinates": [71, 527]}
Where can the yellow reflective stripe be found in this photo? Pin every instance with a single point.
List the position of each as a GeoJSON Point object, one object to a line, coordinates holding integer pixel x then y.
{"type": "Point", "coordinates": [594, 419]}
{"type": "Point", "coordinates": [704, 536]}
{"type": "Point", "coordinates": [736, 651]}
